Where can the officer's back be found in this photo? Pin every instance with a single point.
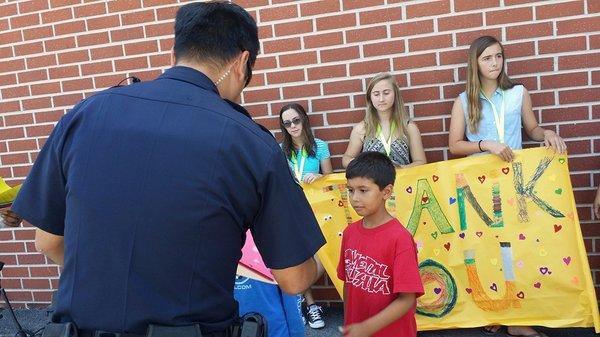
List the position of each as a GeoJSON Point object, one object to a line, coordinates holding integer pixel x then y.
{"type": "Point", "coordinates": [152, 187]}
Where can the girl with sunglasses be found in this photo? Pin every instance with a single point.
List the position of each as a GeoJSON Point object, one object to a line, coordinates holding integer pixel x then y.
{"type": "Point", "coordinates": [309, 160]}
{"type": "Point", "coordinates": [386, 127]}
{"type": "Point", "coordinates": [487, 118]}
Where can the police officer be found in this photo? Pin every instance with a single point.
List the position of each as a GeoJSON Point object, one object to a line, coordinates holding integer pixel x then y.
{"type": "Point", "coordinates": [143, 193]}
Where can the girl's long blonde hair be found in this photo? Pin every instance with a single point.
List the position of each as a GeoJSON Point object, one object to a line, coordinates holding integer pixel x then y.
{"type": "Point", "coordinates": [473, 82]}
{"type": "Point", "coordinates": [399, 116]}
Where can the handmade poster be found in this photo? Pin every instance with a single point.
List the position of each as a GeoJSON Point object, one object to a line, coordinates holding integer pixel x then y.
{"type": "Point", "coordinates": [498, 242]}
{"type": "Point", "coordinates": [7, 193]}
{"type": "Point", "coordinates": [252, 260]}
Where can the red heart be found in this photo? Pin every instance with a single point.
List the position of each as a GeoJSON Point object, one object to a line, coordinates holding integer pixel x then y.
{"type": "Point", "coordinates": [424, 200]}
{"type": "Point", "coordinates": [557, 228]}
{"type": "Point", "coordinates": [521, 295]}
{"type": "Point", "coordinates": [479, 234]}
{"type": "Point", "coordinates": [481, 179]}
{"type": "Point", "coordinates": [340, 203]}
{"type": "Point", "coordinates": [409, 189]}
{"type": "Point", "coordinates": [505, 170]}
{"type": "Point", "coordinates": [537, 285]}
{"type": "Point", "coordinates": [435, 178]}
{"type": "Point", "coordinates": [469, 290]}
{"type": "Point", "coordinates": [447, 246]}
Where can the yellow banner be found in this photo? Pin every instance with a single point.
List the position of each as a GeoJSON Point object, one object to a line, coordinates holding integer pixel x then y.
{"type": "Point", "coordinates": [498, 242]}
{"type": "Point", "coordinates": [7, 193]}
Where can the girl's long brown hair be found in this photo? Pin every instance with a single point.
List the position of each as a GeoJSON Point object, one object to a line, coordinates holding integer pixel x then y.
{"type": "Point", "coordinates": [308, 139]}
{"type": "Point", "coordinates": [399, 116]}
{"type": "Point", "coordinates": [473, 82]}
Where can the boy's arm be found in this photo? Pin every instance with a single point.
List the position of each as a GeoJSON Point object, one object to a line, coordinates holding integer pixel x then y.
{"type": "Point", "coordinates": [398, 308]}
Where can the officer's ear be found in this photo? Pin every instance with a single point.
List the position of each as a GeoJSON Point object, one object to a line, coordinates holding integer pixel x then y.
{"type": "Point", "coordinates": [173, 57]}
{"type": "Point", "coordinates": [239, 67]}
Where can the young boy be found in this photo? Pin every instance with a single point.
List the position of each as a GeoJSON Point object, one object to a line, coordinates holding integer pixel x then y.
{"type": "Point", "coordinates": [378, 260]}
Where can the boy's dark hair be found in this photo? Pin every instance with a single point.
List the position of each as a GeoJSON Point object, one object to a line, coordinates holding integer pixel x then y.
{"type": "Point", "coordinates": [215, 31]}
{"type": "Point", "coordinates": [373, 165]}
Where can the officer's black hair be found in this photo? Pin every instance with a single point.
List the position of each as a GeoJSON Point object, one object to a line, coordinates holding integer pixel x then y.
{"type": "Point", "coordinates": [372, 165]}
{"type": "Point", "coordinates": [215, 31]}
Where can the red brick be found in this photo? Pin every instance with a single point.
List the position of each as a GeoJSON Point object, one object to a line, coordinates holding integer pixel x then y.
{"type": "Point", "coordinates": [366, 34]}
{"type": "Point", "coordinates": [564, 114]}
{"type": "Point", "coordinates": [412, 28]}
{"type": "Point", "coordinates": [8, 79]}
{"type": "Point", "coordinates": [8, 106]}
{"type": "Point", "coordinates": [14, 159]}
{"type": "Point", "coordinates": [322, 72]}
{"type": "Point", "coordinates": [127, 34]}
{"type": "Point", "coordinates": [32, 6]}
{"type": "Point", "coordinates": [8, 9]}
{"type": "Point", "coordinates": [460, 22]}
{"type": "Point", "coordinates": [40, 130]}
{"type": "Point", "coordinates": [381, 15]}
{"type": "Point", "coordinates": [15, 271]}
{"type": "Point", "coordinates": [67, 100]}
{"type": "Point", "coordinates": [452, 91]}
{"type": "Point", "coordinates": [558, 10]}
{"type": "Point", "coordinates": [167, 13]}
{"type": "Point", "coordinates": [29, 48]}
{"type": "Point", "coordinates": [337, 21]}
{"type": "Point", "coordinates": [519, 49]}
{"type": "Point", "coordinates": [123, 5]}
{"type": "Point", "coordinates": [432, 77]}
{"type": "Point", "coordinates": [154, 3]}
{"type": "Point", "coordinates": [62, 72]}
{"type": "Point", "coordinates": [62, 3]}
{"type": "Point", "coordinates": [69, 27]}
{"type": "Point", "coordinates": [319, 7]}
{"type": "Point", "coordinates": [593, 7]}
{"type": "Point", "coordinates": [137, 48]}
{"type": "Point", "coordinates": [46, 271]}
{"type": "Point", "coordinates": [518, 2]}
{"type": "Point", "coordinates": [159, 29]}
{"type": "Point", "coordinates": [37, 103]}
{"type": "Point", "coordinates": [369, 67]}
{"type": "Point", "coordinates": [581, 25]}
{"type": "Point", "coordinates": [529, 31]}
{"type": "Point", "coordinates": [9, 38]}
{"type": "Point", "coordinates": [24, 20]}
{"type": "Point", "coordinates": [265, 32]}
{"type": "Point", "coordinates": [29, 258]}
{"type": "Point", "coordinates": [57, 15]}
{"type": "Point", "coordinates": [323, 40]}
{"type": "Point", "coordinates": [103, 22]}
{"type": "Point", "coordinates": [106, 52]}
{"type": "Point", "coordinates": [14, 120]}
{"type": "Point", "coordinates": [432, 109]}
{"type": "Point", "coordinates": [107, 80]}
{"type": "Point", "coordinates": [594, 41]}
{"type": "Point", "coordinates": [277, 77]}
{"type": "Point", "coordinates": [383, 48]}
{"type": "Point", "coordinates": [428, 9]}
{"type": "Point", "coordinates": [560, 45]}
{"type": "Point", "coordinates": [164, 60]}
{"type": "Point", "coordinates": [281, 45]}
{"type": "Point", "coordinates": [73, 57]}
{"type": "Point", "coordinates": [414, 61]}
{"type": "Point", "coordinates": [330, 103]}
{"type": "Point", "coordinates": [59, 44]}
{"type": "Point", "coordinates": [261, 95]}
{"type": "Point", "coordinates": [32, 76]}
{"type": "Point", "coordinates": [344, 117]}
{"type": "Point", "coordinates": [96, 68]}
{"type": "Point", "coordinates": [529, 82]}
{"type": "Point", "coordinates": [40, 61]}
{"type": "Point", "coordinates": [306, 90]}
{"type": "Point", "coordinates": [339, 87]}
{"type": "Point", "coordinates": [296, 59]}
{"type": "Point", "coordinates": [453, 57]}
{"type": "Point", "coordinates": [37, 284]}
{"type": "Point", "coordinates": [77, 84]}
{"type": "Point", "coordinates": [429, 126]}
{"type": "Point", "coordinates": [14, 92]}
{"type": "Point", "coordinates": [293, 28]}
{"type": "Point", "coordinates": [131, 63]}
{"type": "Point", "coordinates": [584, 163]}
{"type": "Point", "coordinates": [421, 94]}
{"type": "Point", "coordinates": [564, 80]}
{"type": "Point", "coordinates": [579, 61]}
{"type": "Point", "coordinates": [12, 65]}
{"type": "Point", "coordinates": [530, 66]}
{"type": "Point", "coordinates": [505, 16]}
{"type": "Point", "coordinates": [579, 95]}
{"type": "Point", "coordinates": [6, 52]}
{"type": "Point", "coordinates": [45, 88]}
{"type": "Point", "coordinates": [467, 5]}
{"type": "Point", "coordinates": [355, 4]}
{"type": "Point", "coordinates": [339, 54]}
{"type": "Point", "coordinates": [257, 110]}
{"type": "Point", "coordinates": [466, 38]}
{"type": "Point", "coordinates": [264, 62]}
{"type": "Point", "coordinates": [278, 13]}
{"type": "Point", "coordinates": [430, 43]}
{"type": "Point", "coordinates": [540, 99]}
{"type": "Point", "coordinates": [137, 17]}
{"type": "Point", "coordinates": [333, 133]}
{"type": "Point", "coordinates": [38, 33]}
{"type": "Point", "coordinates": [48, 116]}
{"type": "Point", "coordinates": [90, 10]}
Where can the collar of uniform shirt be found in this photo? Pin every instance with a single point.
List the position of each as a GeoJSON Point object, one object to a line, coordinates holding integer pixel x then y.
{"type": "Point", "coordinates": [190, 75]}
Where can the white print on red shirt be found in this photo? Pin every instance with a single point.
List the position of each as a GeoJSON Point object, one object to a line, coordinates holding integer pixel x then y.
{"type": "Point", "coordinates": [364, 272]}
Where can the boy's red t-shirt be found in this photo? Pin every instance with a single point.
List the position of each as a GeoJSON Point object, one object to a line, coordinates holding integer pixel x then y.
{"type": "Point", "coordinates": [376, 264]}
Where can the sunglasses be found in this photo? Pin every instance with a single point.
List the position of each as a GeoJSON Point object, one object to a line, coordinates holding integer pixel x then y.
{"type": "Point", "coordinates": [295, 121]}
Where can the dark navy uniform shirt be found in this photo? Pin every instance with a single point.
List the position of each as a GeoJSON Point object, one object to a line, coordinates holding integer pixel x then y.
{"type": "Point", "coordinates": [153, 186]}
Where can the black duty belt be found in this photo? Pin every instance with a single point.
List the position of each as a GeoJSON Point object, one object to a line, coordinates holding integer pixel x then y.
{"type": "Point", "coordinates": [100, 333]}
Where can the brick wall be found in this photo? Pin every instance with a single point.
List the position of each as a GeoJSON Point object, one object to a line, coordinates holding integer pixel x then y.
{"type": "Point", "coordinates": [319, 53]}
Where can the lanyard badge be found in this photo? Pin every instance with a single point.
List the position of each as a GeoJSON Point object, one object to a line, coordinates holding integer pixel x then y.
{"type": "Point", "coordinates": [498, 118]}
{"type": "Point", "coordinates": [299, 167]}
{"type": "Point", "coordinates": [387, 143]}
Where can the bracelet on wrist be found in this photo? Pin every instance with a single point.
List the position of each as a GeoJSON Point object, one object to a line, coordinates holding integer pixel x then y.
{"type": "Point", "coordinates": [479, 145]}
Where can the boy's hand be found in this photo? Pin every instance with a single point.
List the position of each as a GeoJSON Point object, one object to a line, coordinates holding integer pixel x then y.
{"type": "Point", "coordinates": [10, 218]}
{"type": "Point", "coordinates": [355, 330]}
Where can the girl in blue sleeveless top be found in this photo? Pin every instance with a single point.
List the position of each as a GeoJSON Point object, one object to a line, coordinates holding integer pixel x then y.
{"type": "Point", "coordinates": [309, 160]}
{"type": "Point", "coordinates": [490, 113]}
{"type": "Point", "coordinates": [386, 127]}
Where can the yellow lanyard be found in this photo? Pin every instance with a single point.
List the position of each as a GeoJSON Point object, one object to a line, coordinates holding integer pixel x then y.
{"type": "Point", "coordinates": [387, 143]}
{"type": "Point", "coordinates": [498, 118]}
{"type": "Point", "coordinates": [299, 167]}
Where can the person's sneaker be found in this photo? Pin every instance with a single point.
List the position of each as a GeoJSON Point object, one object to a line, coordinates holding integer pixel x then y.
{"type": "Point", "coordinates": [315, 316]}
